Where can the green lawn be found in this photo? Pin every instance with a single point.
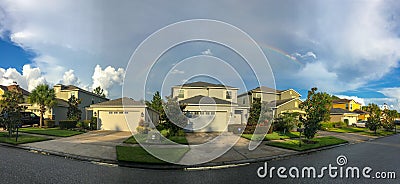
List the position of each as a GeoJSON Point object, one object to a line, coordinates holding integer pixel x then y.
{"type": "Point", "coordinates": [293, 144]}
{"type": "Point", "coordinates": [143, 137]}
{"type": "Point", "coordinates": [21, 139]}
{"type": "Point", "coordinates": [347, 129]}
{"type": "Point", "coordinates": [364, 131]}
{"type": "Point", "coordinates": [275, 136]}
{"type": "Point", "coordinates": [50, 131]}
{"type": "Point", "coordinates": [140, 155]}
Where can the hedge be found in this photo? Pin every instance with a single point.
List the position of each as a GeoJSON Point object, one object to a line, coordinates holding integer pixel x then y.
{"type": "Point", "coordinates": [49, 123]}
{"type": "Point", "coordinates": [67, 124]}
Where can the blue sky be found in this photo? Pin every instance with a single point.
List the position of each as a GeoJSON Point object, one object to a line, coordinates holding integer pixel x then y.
{"type": "Point", "coordinates": [346, 48]}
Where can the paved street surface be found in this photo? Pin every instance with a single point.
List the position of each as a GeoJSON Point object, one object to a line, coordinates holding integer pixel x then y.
{"type": "Point", "coordinates": [94, 144]}
{"type": "Point", "coordinates": [19, 166]}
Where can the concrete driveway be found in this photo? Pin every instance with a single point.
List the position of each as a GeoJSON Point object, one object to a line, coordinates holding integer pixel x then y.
{"type": "Point", "coordinates": [98, 144]}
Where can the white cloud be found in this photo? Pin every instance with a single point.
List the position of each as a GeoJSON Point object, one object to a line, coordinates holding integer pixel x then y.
{"type": "Point", "coordinates": [309, 54]}
{"type": "Point", "coordinates": [207, 52]}
{"type": "Point", "coordinates": [29, 79]}
{"type": "Point", "coordinates": [176, 71]}
{"type": "Point", "coordinates": [107, 78]}
{"type": "Point", "coordinates": [69, 78]}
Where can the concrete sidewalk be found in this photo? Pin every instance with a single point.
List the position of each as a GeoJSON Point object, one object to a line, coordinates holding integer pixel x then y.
{"type": "Point", "coordinates": [94, 144]}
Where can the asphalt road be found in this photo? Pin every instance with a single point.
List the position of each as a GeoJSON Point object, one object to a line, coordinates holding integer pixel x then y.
{"type": "Point", "coordinates": [19, 166]}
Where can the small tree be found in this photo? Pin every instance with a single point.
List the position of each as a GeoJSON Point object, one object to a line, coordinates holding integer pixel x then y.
{"type": "Point", "coordinates": [156, 103]}
{"type": "Point", "coordinates": [317, 107]}
{"type": "Point", "coordinates": [388, 117]}
{"type": "Point", "coordinates": [255, 111]}
{"type": "Point", "coordinates": [286, 121]}
{"type": "Point", "coordinates": [374, 119]}
{"type": "Point", "coordinates": [44, 97]}
{"type": "Point", "coordinates": [99, 91]}
{"type": "Point", "coordinates": [175, 120]}
{"type": "Point", "coordinates": [74, 113]}
{"type": "Point", "coordinates": [11, 110]}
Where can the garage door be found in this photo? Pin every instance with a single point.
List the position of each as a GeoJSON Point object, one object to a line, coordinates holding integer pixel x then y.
{"type": "Point", "coordinates": [115, 120]}
{"type": "Point", "coordinates": [218, 124]}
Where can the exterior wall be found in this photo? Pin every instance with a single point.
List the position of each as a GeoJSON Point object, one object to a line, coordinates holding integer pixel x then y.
{"type": "Point", "coordinates": [87, 100]}
{"type": "Point", "coordinates": [363, 117]}
{"type": "Point", "coordinates": [351, 106]}
{"type": "Point", "coordinates": [343, 117]}
{"type": "Point", "coordinates": [291, 106]}
{"type": "Point", "coordinates": [265, 97]}
{"type": "Point", "coordinates": [244, 100]}
{"type": "Point", "coordinates": [211, 92]}
{"type": "Point", "coordinates": [289, 94]}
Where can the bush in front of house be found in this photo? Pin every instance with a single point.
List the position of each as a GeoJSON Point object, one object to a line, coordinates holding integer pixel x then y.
{"type": "Point", "coordinates": [143, 127]}
{"type": "Point", "coordinates": [83, 124]}
{"type": "Point", "coordinates": [49, 123]}
{"type": "Point", "coordinates": [67, 124]}
{"type": "Point", "coordinates": [93, 123]}
{"type": "Point", "coordinates": [328, 125]}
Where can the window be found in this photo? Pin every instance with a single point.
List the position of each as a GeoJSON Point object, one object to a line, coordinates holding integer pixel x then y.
{"type": "Point", "coordinates": [126, 112]}
{"type": "Point", "coordinates": [115, 112]}
{"type": "Point", "coordinates": [110, 112]}
{"type": "Point", "coordinates": [351, 106]}
{"type": "Point", "coordinates": [228, 95]}
{"type": "Point", "coordinates": [258, 95]}
{"type": "Point", "coordinates": [121, 112]}
{"type": "Point", "coordinates": [244, 100]}
{"type": "Point", "coordinates": [347, 106]}
{"type": "Point", "coordinates": [181, 93]}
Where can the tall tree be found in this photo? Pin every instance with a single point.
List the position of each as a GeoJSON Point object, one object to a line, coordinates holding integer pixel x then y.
{"type": "Point", "coordinates": [11, 109]}
{"type": "Point", "coordinates": [44, 97]}
{"type": "Point", "coordinates": [156, 103]}
{"type": "Point", "coordinates": [255, 111]}
{"type": "Point", "coordinates": [99, 91]}
{"type": "Point", "coordinates": [388, 117]}
{"type": "Point", "coordinates": [374, 119]}
{"type": "Point", "coordinates": [175, 119]}
{"type": "Point", "coordinates": [74, 113]}
{"type": "Point", "coordinates": [317, 107]}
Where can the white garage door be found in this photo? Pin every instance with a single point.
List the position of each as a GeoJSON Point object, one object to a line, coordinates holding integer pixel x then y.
{"type": "Point", "coordinates": [115, 120]}
{"type": "Point", "coordinates": [218, 124]}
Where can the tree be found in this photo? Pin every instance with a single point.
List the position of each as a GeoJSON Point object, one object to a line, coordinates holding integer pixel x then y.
{"type": "Point", "coordinates": [156, 103]}
{"type": "Point", "coordinates": [44, 97]}
{"type": "Point", "coordinates": [99, 91]}
{"type": "Point", "coordinates": [74, 113]}
{"type": "Point", "coordinates": [388, 117]}
{"type": "Point", "coordinates": [317, 107]}
{"type": "Point", "coordinates": [174, 118]}
{"type": "Point", "coordinates": [255, 111]}
{"type": "Point", "coordinates": [286, 121]}
{"type": "Point", "coordinates": [11, 110]}
{"type": "Point", "coordinates": [374, 119]}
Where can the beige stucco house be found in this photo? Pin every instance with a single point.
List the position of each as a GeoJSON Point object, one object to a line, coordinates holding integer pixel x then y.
{"type": "Point", "coordinates": [210, 107]}
{"type": "Point", "coordinates": [63, 93]}
{"type": "Point", "coordinates": [122, 114]}
{"type": "Point", "coordinates": [285, 100]}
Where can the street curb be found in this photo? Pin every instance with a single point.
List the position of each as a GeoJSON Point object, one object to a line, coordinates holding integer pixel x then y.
{"type": "Point", "coordinates": [205, 166]}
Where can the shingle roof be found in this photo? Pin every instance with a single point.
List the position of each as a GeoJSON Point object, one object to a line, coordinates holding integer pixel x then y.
{"type": "Point", "coordinates": [342, 101]}
{"type": "Point", "coordinates": [205, 100]}
{"type": "Point", "coordinates": [359, 111]}
{"type": "Point", "coordinates": [265, 89]}
{"type": "Point", "coordinates": [205, 84]}
{"type": "Point", "coordinates": [119, 102]}
{"type": "Point", "coordinates": [338, 111]}
{"type": "Point", "coordinates": [8, 88]}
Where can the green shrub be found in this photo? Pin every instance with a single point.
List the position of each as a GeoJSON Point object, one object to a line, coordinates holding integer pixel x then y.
{"type": "Point", "coordinates": [49, 123]}
{"type": "Point", "coordinates": [165, 132]}
{"type": "Point", "coordinates": [328, 125]}
{"type": "Point", "coordinates": [93, 124]}
{"type": "Point", "coordinates": [83, 124]}
{"type": "Point", "coordinates": [67, 124]}
{"type": "Point", "coordinates": [142, 130]}
{"type": "Point", "coordinates": [180, 133]}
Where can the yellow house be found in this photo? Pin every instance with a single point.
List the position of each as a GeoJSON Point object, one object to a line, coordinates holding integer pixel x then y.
{"type": "Point", "coordinates": [348, 104]}
{"type": "Point", "coordinates": [14, 87]}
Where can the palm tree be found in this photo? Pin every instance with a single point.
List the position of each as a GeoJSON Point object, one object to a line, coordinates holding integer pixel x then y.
{"type": "Point", "coordinates": [43, 96]}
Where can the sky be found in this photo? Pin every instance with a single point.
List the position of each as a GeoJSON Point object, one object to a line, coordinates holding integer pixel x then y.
{"type": "Point", "coordinates": [347, 48]}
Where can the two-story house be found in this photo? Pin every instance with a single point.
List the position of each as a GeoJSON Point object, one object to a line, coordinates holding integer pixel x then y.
{"type": "Point", "coordinates": [210, 107]}
{"type": "Point", "coordinates": [285, 100]}
{"type": "Point", "coordinates": [63, 93]}
{"type": "Point", "coordinates": [352, 107]}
